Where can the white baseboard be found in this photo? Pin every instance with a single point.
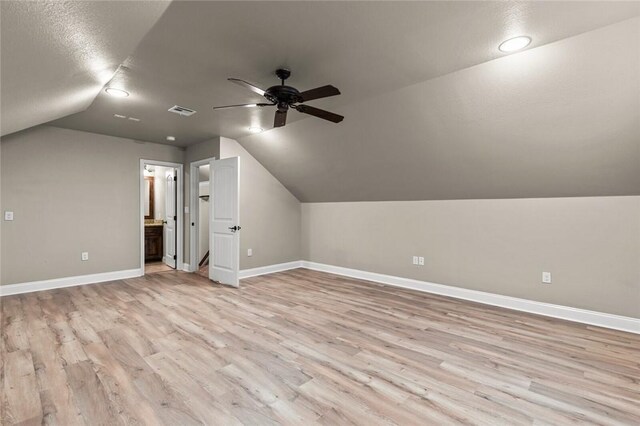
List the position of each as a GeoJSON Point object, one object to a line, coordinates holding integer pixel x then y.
{"type": "Point", "coordinates": [29, 287]}
{"type": "Point", "coordinates": [270, 269]}
{"type": "Point", "coordinates": [584, 316]}
{"type": "Point", "coordinates": [600, 319]}
{"type": "Point", "coordinates": [186, 267]}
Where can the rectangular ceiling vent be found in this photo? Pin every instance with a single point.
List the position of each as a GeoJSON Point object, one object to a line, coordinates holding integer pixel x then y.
{"type": "Point", "coordinates": [185, 112]}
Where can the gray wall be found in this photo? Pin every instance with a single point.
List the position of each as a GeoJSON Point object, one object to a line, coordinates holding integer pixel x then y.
{"type": "Point", "coordinates": [590, 245]}
{"type": "Point", "coordinates": [72, 191]}
{"type": "Point", "coordinates": [1, 211]}
{"type": "Point", "coordinates": [269, 214]}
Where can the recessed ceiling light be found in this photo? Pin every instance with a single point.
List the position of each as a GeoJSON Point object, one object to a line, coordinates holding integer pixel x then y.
{"type": "Point", "coordinates": [514, 44]}
{"type": "Point", "coordinates": [171, 138]}
{"type": "Point", "coordinates": [119, 116]}
{"type": "Point", "coordinates": [254, 129]}
{"type": "Point", "coordinates": [118, 93]}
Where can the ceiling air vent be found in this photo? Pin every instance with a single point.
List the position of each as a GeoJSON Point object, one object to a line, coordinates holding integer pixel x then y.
{"type": "Point", "coordinates": [186, 112]}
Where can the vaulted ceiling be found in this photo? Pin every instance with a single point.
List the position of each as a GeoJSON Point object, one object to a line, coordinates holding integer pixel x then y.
{"type": "Point", "coordinates": [57, 56]}
{"type": "Point", "coordinates": [433, 109]}
{"type": "Point", "coordinates": [559, 120]}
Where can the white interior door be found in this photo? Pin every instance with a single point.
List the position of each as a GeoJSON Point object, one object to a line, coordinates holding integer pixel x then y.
{"type": "Point", "coordinates": [224, 214]}
{"type": "Point", "coordinates": [170, 219]}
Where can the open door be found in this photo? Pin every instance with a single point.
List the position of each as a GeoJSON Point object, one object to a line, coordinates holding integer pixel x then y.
{"type": "Point", "coordinates": [170, 220]}
{"type": "Point", "coordinates": [224, 214]}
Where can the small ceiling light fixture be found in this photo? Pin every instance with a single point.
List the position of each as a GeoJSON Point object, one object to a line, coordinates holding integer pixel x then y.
{"type": "Point", "coordinates": [255, 129]}
{"type": "Point", "coordinates": [118, 93]}
{"type": "Point", "coordinates": [134, 119]}
{"type": "Point", "coordinates": [119, 116]}
{"type": "Point", "coordinates": [514, 44]}
{"type": "Point", "coordinates": [171, 138]}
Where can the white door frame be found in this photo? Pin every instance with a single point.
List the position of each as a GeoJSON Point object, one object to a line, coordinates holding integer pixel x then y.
{"type": "Point", "coordinates": [194, 211]}
{"type": "Point", "coordinates": [179, 209]}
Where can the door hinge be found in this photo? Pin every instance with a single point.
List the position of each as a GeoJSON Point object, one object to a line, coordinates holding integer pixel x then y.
{"type": "Point", "coordinates": [175, 178]}
{"type": "Point", "coordinates": [175, 218]}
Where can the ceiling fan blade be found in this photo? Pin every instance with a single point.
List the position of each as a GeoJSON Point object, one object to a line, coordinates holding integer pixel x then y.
{"type": "Point", "coordinates": [249, 86]}
{"type": "Point", "coordinates": [243, 106]}
{"type": "Point", "coordinates": [319, 92]}
{"type": "Point", "coordinates": [320, 113]}
{"type": "Point", "coordinates": [280, 119]}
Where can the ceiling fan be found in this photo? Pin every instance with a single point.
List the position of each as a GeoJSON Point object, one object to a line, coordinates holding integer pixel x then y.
{"type": "Point", "coordinates": [285, 97]}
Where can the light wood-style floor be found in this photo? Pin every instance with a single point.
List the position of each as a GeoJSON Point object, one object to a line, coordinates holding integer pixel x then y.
{"type": "Point", "coordinates": [155, 267]}
{"type": "Point", "coordinates": [302, 347]}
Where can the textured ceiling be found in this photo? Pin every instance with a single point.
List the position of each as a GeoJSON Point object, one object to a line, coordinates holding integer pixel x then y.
{"type": "Point", "coordinates": [363, 48]}
{"type": "Point", "coordinates": [56, 56]}
{"type": "Point", "coordinates": [559, 120]}
{"type": "Point", "coordinates": [433, 109]}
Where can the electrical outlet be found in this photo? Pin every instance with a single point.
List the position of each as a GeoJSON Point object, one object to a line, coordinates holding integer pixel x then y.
{"type": "Point", "coordinates": [85, 256]}
{"type": "Point", "coordinates": [421, 261]}
{"type": "Point", "coordinates": [546, 277]}
{"type": "Point", "coordinates": [415, 260]}
{"type": "Point", "coordinates": [8, 215]}
{"type": "Point", "coordinates": [249, 252]}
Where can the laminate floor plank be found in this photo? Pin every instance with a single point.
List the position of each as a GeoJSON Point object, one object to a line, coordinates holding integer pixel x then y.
{"type": "Point", "coordinates": [302, 347]}
{"type": "Point", "coordinates": [21, 389]}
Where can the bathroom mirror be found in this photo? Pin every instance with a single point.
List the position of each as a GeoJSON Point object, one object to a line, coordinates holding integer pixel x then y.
{"type": "Point", "coordinates": [148, 197]}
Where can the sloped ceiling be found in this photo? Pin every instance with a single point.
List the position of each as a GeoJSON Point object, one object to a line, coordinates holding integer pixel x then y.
{"type": "Point", "coordinates": [57, 56]}
{"type": "Point", "coordinates": [433, 109]}
{"type": "Point", "coordinates": [559, 120]}
{"type": "Point", "coordinates": [364, 48]}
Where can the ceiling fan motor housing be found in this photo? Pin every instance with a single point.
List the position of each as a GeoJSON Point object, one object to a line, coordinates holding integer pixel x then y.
{"type": "Point", "coordinates": [283, 95]}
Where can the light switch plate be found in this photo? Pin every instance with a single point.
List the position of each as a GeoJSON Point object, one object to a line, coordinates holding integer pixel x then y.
{"type": "Point", "coordinates": [546, 277]}
{"type": "Point", "coordinates": [249, 252]}
{"type": "Point", "coordinates": [85, 256]}
{"type": "Point", "coordinates": [415, 260]}
{"type": "Point", "coordinates": [421, 261]}
{"type": "Point", "coordinates": [186, 209]}
{"type": "Point", "coordinates": [8, 215]}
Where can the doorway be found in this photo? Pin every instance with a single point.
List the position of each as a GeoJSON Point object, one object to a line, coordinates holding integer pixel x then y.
{"type": "Point", "coordinates": [200, 202]}
{"type": "Point", "coordinates": [201, 231]}
{"type": "Point", "coordinates": [161, 218]}
{"type": "Point", "coordinates": [215, 238]}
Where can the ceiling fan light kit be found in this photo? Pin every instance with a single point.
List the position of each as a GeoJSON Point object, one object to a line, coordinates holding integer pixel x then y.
{"type": "Point", "coordinates": [285, 97]}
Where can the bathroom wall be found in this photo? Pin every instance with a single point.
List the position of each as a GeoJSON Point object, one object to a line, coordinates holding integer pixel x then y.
{"type": "Point", "coordinates": [160, 189]}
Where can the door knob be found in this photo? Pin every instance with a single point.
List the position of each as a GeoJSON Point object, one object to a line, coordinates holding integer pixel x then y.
{"type": "Point", "coordinates": [235, 228]}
